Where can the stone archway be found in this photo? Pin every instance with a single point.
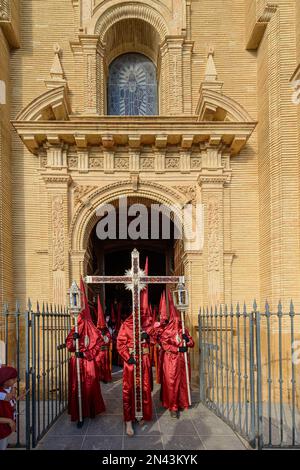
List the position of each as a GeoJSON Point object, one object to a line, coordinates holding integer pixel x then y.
{"type": "Point", "coordinates": [86, 217]}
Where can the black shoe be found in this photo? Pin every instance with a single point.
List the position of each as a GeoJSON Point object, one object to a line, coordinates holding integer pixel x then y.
{"type": "Point", "coordinates": [173, 414]}
{"type": "Point", "coordinates": [178, 414]}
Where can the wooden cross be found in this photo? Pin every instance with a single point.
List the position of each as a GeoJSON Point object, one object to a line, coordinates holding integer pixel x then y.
{"type": "Point", "coordinates": [136, 280]}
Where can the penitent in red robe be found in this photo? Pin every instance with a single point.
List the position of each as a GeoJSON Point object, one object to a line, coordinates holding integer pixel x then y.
{"type": "Point", "coordinates": [174, 394]}
{"type": "Point", "coordinates": [90, 344]}
{"type": "Point", "coordinates": [124, 346]}
{"type": "Point", "coordinates": [103, 358]}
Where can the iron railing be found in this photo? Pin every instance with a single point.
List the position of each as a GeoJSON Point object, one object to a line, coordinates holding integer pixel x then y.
{"type": "Point", "coordinates": [35, 345]}
{"type": "Point", "coordinates": [250, 372]}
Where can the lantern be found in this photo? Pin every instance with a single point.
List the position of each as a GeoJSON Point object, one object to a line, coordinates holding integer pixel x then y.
{"type": "Point", "coordinates": [181, 298]}
{"type": "Point", "coordinates": [75, 299]}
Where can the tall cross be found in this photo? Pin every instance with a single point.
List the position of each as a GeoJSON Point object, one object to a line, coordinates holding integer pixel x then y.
{"type": "Point", "coordinates": [136, 280]}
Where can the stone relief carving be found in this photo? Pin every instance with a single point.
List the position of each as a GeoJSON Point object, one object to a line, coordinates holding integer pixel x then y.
{"type": "Point", "coordinates": [4, 10]}
{"type": "Point", "coordinates": [58, 233]}
{"type": "Point", "coordinates": [147, 163]}
{"type": "Point", "coordinates": [91, 85]}
{"type": "Point", "coordinates": [44, 161]}
{"type": "Point", "coordinates": [196, 163]}
{"type": "Point", "coordinates": [172, 163]}
{"type": "Point", "coordinates": [73, 162]}
{"type": "Point", "coordinates": [80, 192]}
{"type": "Point", "coordinates": [214, 251]}
{"type": "Point", "coordinates": [213, 235]}
{"type": "Point", "coordinates": [189, 191]}
{"type": "Point", "coordinates": [121, 163]}
{"type": "Point", "coordinates": [95, 162]}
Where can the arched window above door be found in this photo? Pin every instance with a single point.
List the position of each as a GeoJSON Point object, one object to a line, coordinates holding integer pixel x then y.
{"type": "Point", "coordinates": [132, 86]}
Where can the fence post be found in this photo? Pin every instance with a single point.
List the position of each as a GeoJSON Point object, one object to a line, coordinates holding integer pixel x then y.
{"type": "Point", "coordinates": [202, 360]}
{"type": "Point", "coordinates": [27, 376]}
{"type": "Point", "coordinates": [259, 379]}
{"type": "Point", "coordinates": [252, 383]}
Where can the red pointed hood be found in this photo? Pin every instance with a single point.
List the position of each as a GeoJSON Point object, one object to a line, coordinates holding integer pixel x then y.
{"type": "Point", "coordinates": [85, 313]}
{"type": "Point", "coordinates": [163, 308]}
{"type": "Point", "coordinates": [101, 320]}
{"type": "Point", "coordinates": [173, 312]}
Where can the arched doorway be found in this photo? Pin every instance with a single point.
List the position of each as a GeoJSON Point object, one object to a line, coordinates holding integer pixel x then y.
{"type": "Point", "coordinates": [112, 256]}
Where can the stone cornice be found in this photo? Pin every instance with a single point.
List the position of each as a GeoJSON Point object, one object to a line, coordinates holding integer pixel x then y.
{"type": "Point", "coordinates": [9, 21]}
{"type": "Point", "coordinates": [146, 131]}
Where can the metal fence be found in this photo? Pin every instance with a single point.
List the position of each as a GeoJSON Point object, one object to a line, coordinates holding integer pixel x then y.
{"type": "Point", "coordinates": [250, 372]}
{"type": "Point", "coordinates": [35, 344]}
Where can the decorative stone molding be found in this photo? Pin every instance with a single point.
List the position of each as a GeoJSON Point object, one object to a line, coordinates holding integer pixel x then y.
{"type": "Point", "coordinates": [5, 10]}
{"type": "Point", "coordinates": [121, 163]}
{"type": "Point", "coordinates": [172, 163]}
{"type": "Point", "coordinates": [96, 163]}
{"type": "Point", "coordinates": [58, 233]}
{"type": "Point", "coordinates": [85, 217]}
{"type": "Point", "coordinates": [130, 10]}
{"type": "Point", "coordinates": [80, 192]}
{"type": "Point", "coordinates": [53, 103]}
{"type": "Point", "coordinates": [189, 191]}
{"type": "Point", "coordinates": [56, 71]}
{"type": "Point", "coordinates": [73, 162]}
{"type": "Point", "coordinates": [147, 163]}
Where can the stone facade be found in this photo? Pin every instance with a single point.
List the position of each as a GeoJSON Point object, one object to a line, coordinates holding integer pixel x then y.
{"type": "Point", "coordinates": [226, 136]}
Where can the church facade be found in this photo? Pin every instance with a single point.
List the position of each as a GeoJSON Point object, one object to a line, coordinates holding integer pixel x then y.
{"type": "Point", "coordinates": [165, 102]}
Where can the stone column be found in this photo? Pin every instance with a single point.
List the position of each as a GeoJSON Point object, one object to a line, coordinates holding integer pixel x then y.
{"type": "Point", "coordinates": [93, 74]}
{"type": "Point", "coordinates": [211, 182]}
{"type": "Point", "coordinates": [57, 185]}
{"type": "Point", "coordinates": [175, 78]}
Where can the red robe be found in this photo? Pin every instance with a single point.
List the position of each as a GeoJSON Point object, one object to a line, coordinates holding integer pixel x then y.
{"type": "Point", "coordinates": [103, 358]}
{"type": "Point", "coordinates": [124, 343]}
{"type": "Point", "coordinates": [7, 410]}
{"type": "Point", "coordinates": [174, 393]}
{"type": "Point", "coordinates": [92, 401]}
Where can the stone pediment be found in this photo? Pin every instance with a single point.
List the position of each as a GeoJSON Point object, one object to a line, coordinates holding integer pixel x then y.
{"type": "Point", "coordinates": [214, 106]}
{"type": "Point", "coordinates": [53, 105]}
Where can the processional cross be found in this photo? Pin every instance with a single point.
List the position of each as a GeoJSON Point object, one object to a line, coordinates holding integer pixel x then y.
{"type": "Point", "coordinates": [136, 280]}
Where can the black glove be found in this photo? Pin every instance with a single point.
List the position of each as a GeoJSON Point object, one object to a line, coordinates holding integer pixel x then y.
{"type": "Point", "coordinates": [79, 355]}
{"type": "Point", "coordinates": [182, 349]}
{"type": "Point", "coordinates": [131, 360]}
{"type": "Point", "coordinates": [145, 336]}
{"type": "Point", "coordinates": [186, 338]}
{"type": "Point", "coordinates": [76, 336]}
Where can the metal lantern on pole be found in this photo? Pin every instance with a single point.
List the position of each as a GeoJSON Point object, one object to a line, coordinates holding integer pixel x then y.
{"type": "Point", "coordinates": [181, 302]}
{"type": "Point", "coordinates": [75, 307]}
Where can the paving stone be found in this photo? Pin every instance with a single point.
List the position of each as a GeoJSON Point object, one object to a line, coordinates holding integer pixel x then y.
{"type": "Point", "coordinates": [207, 425]}
{"type": "Point", "coordinates": [65, 427]}
{"type": "Point", "coordinates": [144, 443]}
{"type": "Point", "coordinates": [222, 443]}
{"type": "Point", "coordinates": [102, 443]}
{"type": "Point", "coordinates": [114, 406]}
{"type": "Point", "coordinates": [61, 443]}
{"type": "Point", "coordinates": [182, 443]}
{"type": "Point", "coordinates": [106, 424]}
{"type": "Point", "coordinates": [149, 428]}
{"type": "Point", "coordinates": [176, 427]}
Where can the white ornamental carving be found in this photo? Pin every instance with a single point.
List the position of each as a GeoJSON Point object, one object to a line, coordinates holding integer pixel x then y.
{"type": "Point", "coordinates": [213, 235]}
{"type": "Point", "coordinates": [58, 233]}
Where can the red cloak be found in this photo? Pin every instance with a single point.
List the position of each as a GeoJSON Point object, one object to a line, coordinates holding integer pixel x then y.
{"type": "Point", "coordinates": [125, 345]}
{"type": "Point", "coordinates": [174, 393]}
{"type": "Point", "coordinates": [103, 358]}
{"type": "Point", "coordinates": [90, 345]}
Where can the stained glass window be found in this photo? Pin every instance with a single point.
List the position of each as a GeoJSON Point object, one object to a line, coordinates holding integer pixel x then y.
{"type": "Point", "coordinates": [132, 86]}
